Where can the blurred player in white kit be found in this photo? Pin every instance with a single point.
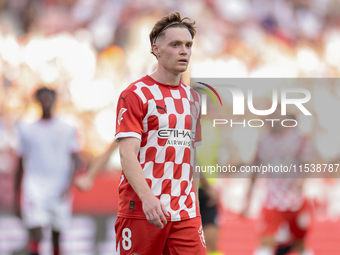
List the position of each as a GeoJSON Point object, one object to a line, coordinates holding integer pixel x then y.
{"type": "Point", "coordinates": [48, 152]}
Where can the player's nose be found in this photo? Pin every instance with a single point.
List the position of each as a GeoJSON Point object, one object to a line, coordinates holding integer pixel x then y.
{"type": "Point", "coordinates": [184, 50]}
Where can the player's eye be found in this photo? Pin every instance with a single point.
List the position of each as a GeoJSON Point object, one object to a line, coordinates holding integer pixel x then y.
{"type": "Point", "coordinates": [174, 44]}
{"type": "Point", "coordinates": [189, 45]}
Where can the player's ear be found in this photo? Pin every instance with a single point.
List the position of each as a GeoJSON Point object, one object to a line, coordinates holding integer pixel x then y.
{"type": "Point", "coordinates": [155, 50]}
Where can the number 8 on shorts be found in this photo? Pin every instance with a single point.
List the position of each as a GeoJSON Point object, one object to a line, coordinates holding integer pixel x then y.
{"type": "Point", "coordinates": [126, 242]}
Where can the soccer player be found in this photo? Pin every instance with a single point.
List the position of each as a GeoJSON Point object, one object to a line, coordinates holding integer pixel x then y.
{"type": "Point", "coordinates": [158, 128]}
{"type": "Point", "coordinates": [48, 151]}
{"type": "Point", "coordinates": [284, 203]}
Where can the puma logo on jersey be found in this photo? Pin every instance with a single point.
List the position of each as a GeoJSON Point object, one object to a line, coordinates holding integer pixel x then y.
{"type": "Point", "coordinates": [121, 114]}
{"type": "Point", "coordinates": [123, 98]}
{"type": "Point", "coordinates": [161, 108]}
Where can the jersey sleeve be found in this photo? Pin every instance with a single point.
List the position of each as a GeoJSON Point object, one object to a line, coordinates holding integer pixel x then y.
{"type": "Point", "coordinates": [129, 121]}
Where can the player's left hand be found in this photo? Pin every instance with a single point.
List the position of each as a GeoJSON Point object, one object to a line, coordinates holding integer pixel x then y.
{"type": "Point", "coordinates": [155, 211]}
{"type": "Point", "coordinates": [83, 182]}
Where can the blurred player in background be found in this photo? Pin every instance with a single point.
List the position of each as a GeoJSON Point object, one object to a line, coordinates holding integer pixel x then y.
{"type": "Point", "coordinates": [158, 129]}
{"type": "Point", "coordinates": [285, 204]}
{"type": "Point", "coordinates": [48, 150]}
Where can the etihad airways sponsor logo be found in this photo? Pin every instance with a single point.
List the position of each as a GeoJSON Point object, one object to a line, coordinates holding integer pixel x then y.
{"type": "Point", "coordinates": [177, 137]}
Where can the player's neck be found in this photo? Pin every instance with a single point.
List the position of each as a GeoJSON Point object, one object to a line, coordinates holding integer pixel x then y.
{"type": "Point", "coordinates": [163, 76]}
{"type": "Point", "coordinates": [46, 116]}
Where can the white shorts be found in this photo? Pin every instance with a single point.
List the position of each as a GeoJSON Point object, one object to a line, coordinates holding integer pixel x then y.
{"type": "Point", "coordinates": [37, 212]}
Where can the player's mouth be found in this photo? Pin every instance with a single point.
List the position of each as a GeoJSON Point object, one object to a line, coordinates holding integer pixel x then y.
{"type": "Point", "coordinates": [183, 60]}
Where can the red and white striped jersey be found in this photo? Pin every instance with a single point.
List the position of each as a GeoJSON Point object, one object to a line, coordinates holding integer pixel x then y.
{"type": "Point", "coordinates": [166, 119]}
{"type": "Point", "coordinates": [289, 147]}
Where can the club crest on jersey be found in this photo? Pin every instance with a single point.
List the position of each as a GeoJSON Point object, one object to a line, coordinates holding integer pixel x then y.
{"type": "Point", "coordinates": [201, 235]}
{"type": "Point", "coordinates": [194, 110]}
{"type": "Point", "coordinates": [121, 114]}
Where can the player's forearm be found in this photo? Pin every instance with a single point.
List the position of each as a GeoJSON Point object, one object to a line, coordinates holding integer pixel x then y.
{"type": "Point", "coordinates": [100, 162]}
{"type": "Point", "coordinates": [128, 150]}
{"type": "Point", "coordinates": [97, 165]}
{"type": "Point", "coordinates": [134, 173]}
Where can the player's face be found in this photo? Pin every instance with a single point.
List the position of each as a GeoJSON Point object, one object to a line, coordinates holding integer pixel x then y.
{"type": "Point", "coordinates": [175, 49]}
{"type": "Point", "coordinates": [46, 101]}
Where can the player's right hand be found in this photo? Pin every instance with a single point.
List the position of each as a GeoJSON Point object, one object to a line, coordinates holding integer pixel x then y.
{"type": "Point", "coordinates": [83, 182]}
{"type": "Point", "coordinates": [155, 211]}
